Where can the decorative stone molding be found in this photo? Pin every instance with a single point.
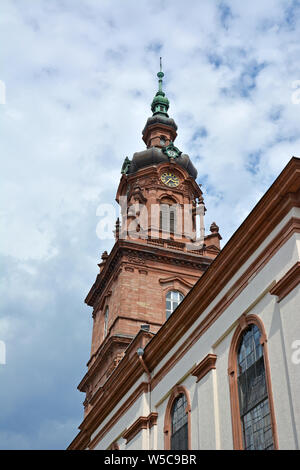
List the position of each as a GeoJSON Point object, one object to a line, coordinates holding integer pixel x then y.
{"type": "Point", "coordinates": [136, 258]}
{"type": "Point", "coordinates": [143, 422]}
{"type": "Point", "coordinates": [243, 322]}
{"type": "Point", "coordinates": [175, 279]}
{"type": "Point", "coordinates": [143, 271]}
{"type": "Point", "coordinates": [206, 365]}
{"type": "Point", "coordinates": [119, 356]}
{"type": "Point", "coordinates": [152, 419]}
{"type": "Point", "coordinates": [129, 269]}
{"type": "Point", "coordinates": [287, 283]}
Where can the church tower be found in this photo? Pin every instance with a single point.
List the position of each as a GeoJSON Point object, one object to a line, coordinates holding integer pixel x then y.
{"type": "Point", "coordinates": [160, 248]}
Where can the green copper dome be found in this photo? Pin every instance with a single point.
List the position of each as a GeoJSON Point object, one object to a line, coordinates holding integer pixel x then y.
{"type": "Point", "coordinates": [160, 104]}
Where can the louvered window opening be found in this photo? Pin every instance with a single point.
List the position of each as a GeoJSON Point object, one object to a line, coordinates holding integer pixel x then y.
{"type": "Point", "coordinates": [167, 218]}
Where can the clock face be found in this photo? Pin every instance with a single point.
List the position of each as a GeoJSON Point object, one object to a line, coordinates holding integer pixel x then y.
{"type": "Point", "coordinates": [170, 179]}
{"type": "Point", "coordinates": [171, 153]}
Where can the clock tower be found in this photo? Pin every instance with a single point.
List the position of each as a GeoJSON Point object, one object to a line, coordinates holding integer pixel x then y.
{"type": "Point", "coordinates": [160, 248]}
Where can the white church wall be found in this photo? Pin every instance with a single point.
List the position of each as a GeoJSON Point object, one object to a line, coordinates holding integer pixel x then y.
{"type": "Point", "coordinates": [289, 314]}
{"type": "Point", "coordinates": [139, 441]}
{"type": "Point", "coordinates": [204, 414]}
{"type": "Point", "coordinates": [223, 396]}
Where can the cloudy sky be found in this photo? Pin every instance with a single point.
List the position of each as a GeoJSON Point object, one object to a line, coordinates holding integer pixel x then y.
{"type": "Point", "coordinates": [80, 76]}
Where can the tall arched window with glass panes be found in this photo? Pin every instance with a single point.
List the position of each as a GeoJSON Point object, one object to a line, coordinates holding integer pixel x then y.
{"type": "Point", "coordinates": [254, 406]}
{"type": "Point", "coordinates": [179, 424]}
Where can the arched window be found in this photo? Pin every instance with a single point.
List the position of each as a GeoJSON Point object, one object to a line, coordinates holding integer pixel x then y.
{"type": "Point", "coordinates": [179, 424]}
{"type": "Point", "coordinates": [253, 394]}
{"type": "Point", "coordinates": [106, 315]}
{"type": "Point", "coordinates": [250, 386]}
{"type": "Point", "coordinates": [173, 299]}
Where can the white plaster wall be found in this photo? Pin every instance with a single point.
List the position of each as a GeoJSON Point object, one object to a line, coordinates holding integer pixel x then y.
{"type": "Point", "coordinates": [204, 413]}
{"type": "Point", "coordinates": [223, 395]}
{"type": "Point", "coordinates": [139, 442]}
{"type": "Point", "coordinates": [190, 384]}
{"type": "Point", "coordinates": [153, 437]}
{"type": "Point", "coordinates": [289, 314]}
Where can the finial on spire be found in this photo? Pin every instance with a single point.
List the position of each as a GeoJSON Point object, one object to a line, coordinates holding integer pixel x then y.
{"type": "Point", "coordinates": [160, 103]}
{"type": "Point", "coordinates": [160, 77]}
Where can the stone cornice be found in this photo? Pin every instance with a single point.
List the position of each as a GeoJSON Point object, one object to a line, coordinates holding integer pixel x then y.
{"type": "Point", "coordinates": [175, 278]}
{"type": "Point", "coordinates": [143, 422]}
{"type": "Point", "coordinates": [207, 364]}
{"type": "Point", "coordinates": [137, 251]}
{"type": "Point", "coordinates": [287, 283]}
